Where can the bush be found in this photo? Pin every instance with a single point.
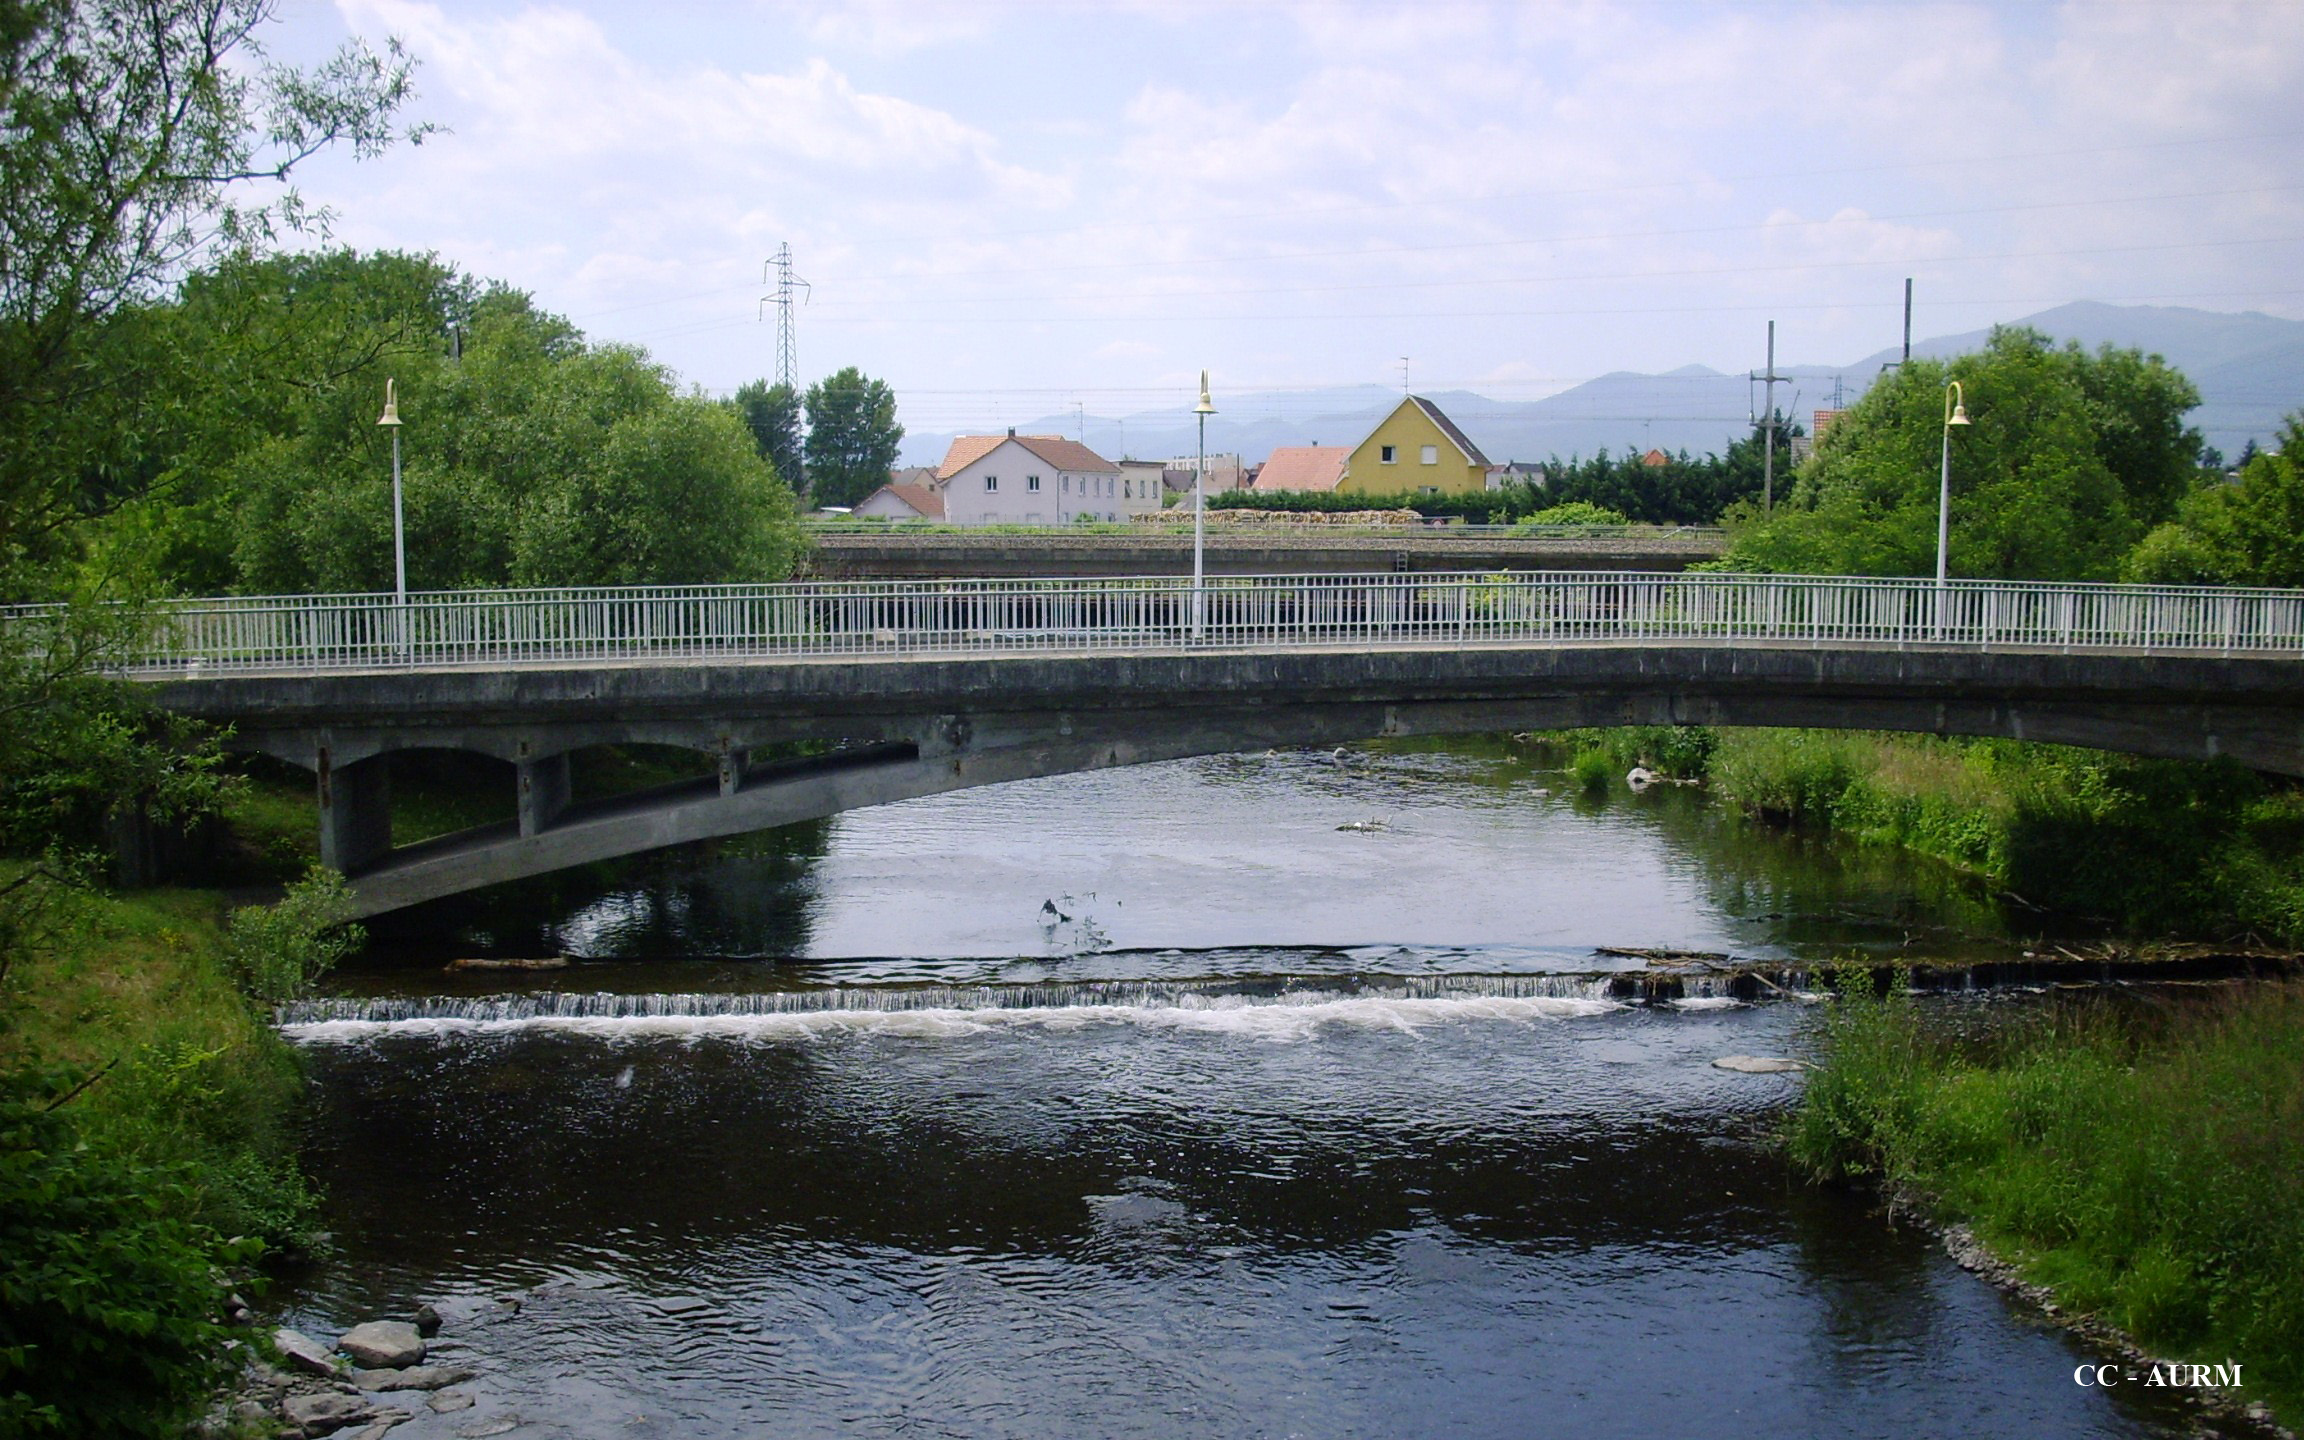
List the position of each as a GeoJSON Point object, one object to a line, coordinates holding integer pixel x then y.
{"type": "Point", "coordinates": [2140, 1162]}
{"type": "Point", "coordinates": [1577, 512]}
{"type": "Point", "coordinates": [277, 952]}
{"type": "Point", "coordinates": [108, 1297]}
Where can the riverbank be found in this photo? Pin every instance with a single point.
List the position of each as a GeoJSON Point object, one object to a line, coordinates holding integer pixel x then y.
{"type": "Point", "coordinates": [2134, 1159]}
{"type": "Point", "coordinates": [2114, 842]}
{"type": "Point", "coordinates": [147, 1159]}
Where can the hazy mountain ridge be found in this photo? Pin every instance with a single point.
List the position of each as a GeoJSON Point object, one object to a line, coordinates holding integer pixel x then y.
{"type": "Point", "coordinates": [2249, 367]}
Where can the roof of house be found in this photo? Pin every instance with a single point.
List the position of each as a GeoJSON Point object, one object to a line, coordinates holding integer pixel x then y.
{"type": "Point", "coordinates": [928, 500]}
{"type": "Point", "coordinates": [913, 475]}
{"type": "Point", "coordinates": [1058, 452]}
{"type": "Point", "coordinates": [1303, 467]}
{"type": "Point", "coordinates": [1655, 459]}
{"type": "Point", "coordinates": [1448, 428]}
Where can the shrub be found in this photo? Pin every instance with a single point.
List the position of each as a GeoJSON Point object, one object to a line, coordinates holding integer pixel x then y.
{"type": "Point", "coordinates": [108, 1297]}
{"type": "Point", "coordinates": [1577, 512]}
{"type": "Point", "coordinates": [277, 952]}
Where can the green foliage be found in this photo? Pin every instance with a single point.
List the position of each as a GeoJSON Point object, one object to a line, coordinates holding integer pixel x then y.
{"type": "Point", "coordinates": [80, 752]}
{"type": "Point", "coordinates": [1577, 512]}
{"type": "Point", "coordinates": [2069, 458]}
{"type": "Point", "coordinates": [1600, 757]}
{"type": "Point", "coordinates": [132, 130]}
{"type": "Point", "coordinates": [108, 1292]}
{"type": "Point", "coordinates": [2251, 533]}
{"type": "Point", "coordinates": [772, 414]}
{"type": "Point", "coordinates": [2158, 846]}
{"type": "Point", "coordinates": [2142, 1163]}
{"type": "Point", "coordinates": [852, 437]}
{"type": "Point", "coordinates": [529, 457]}
{"type": "Point", "coordinates": [279, 951]}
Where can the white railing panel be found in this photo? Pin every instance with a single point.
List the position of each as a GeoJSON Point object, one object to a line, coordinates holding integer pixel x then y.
{"type": "Point", "coordinates": [862, 618]}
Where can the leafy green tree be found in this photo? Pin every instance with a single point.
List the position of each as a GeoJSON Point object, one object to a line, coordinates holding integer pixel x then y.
{"type": "Point", "coordinates": [2067, 455]}
{"type": "Point", "coordinates": [2249, 533]}
{"type": "Point", "coordinates": [531, 457]}
{"type": "Point", "coordinates": [852, 437]}
{"type": "Point", "coordinates": [128, 129]}
{"type": "Point", "coordinates": [772, 414]}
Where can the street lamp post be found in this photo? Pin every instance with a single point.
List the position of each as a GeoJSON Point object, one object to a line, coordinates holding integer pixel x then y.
{"type": "Point", "coordinates": [1955, 413]}
{"type": "Point", "coordinates": [391, 421]}
{"type": "Point", "coordinates": [1199, 511]}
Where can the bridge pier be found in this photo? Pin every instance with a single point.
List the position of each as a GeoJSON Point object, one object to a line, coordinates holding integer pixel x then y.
{"type": "Point", "coordinates": [355, 811]}
{"type": "Point", "coordinates": [733, 764]}
{"type": "Point", "coordinates": [543, 791]}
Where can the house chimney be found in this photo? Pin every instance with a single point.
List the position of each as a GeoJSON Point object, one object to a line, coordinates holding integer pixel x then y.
{"type": "Point", "coordinates": [1011, 432]}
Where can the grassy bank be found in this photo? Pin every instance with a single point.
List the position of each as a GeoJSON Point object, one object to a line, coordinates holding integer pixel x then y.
{"type": "Point", "coordinates": [147, 1150]}
{"type": "Point", "coordinates": [2147, 846]}
{"type": "Point", "coordinates": [2139, 1159]}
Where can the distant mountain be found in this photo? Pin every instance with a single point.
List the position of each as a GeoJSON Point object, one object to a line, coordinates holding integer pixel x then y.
{"type": "Point", "coordinates": [2249, 367]}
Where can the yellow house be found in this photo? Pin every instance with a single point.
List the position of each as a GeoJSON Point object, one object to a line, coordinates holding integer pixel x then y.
{"type": "Point", "coordinates": [1415, 450]}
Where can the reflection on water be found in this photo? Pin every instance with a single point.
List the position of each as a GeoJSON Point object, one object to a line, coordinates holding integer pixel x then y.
{"type": "Point", "coordinates": [1471, 843]}
{"type": "Point", "coordinates": [1154, 1103]}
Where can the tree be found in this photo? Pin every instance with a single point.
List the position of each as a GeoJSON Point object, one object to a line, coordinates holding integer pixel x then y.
{"type": "Point", "coordinates": [852, 437]}
{"type": "Point", "coordinates": [531, 457]}
{"type": "Point", "coordinates": [772, 414]}
{"type": "Point", "coordinates": [2068, 457]}
{"type": "Point", "coordinates": [130, 127]}
{"type": "Point", "coordinates": [2251, 533]}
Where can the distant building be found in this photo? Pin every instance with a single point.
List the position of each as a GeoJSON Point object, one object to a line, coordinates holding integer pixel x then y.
{"type": "Point", "coordinates": [1017, 479]}
{"type": "Point", "coordinates": [1414, 450]}
{"type": "Point", "coordinates": [1225, 472]}
{"type": "Point", "coordinates": [1517, 472]}
{"type": "Point", "coordinates": [904, 500]}
{"type": "Point", "coordinates": [1303, 467]}
{"type": "Point", "coordinates": [1655, 459]}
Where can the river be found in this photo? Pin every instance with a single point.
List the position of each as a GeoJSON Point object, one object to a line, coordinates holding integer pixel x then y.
{"type": "Point", "coordinates": [1265, 1095]}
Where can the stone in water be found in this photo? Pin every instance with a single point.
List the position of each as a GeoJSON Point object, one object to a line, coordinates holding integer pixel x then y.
{"type": "Point", "coordinates": [383, 1345]}
{"type": "Point", "coordinates": [1758, 1064]}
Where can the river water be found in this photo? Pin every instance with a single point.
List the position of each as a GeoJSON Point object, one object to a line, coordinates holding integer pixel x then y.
{"type": "Point", "coordinates": [1271, 1095]}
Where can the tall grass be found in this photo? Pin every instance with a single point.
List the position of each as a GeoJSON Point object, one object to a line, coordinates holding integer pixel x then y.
{"type": "Point", "coordinates": [2158, 846]}
{"type": "Point", "coordinates": [2141, 1159]}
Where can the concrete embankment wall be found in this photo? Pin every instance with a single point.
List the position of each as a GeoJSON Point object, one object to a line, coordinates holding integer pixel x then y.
{"type": "Point", "coordinates": [1312, 551]}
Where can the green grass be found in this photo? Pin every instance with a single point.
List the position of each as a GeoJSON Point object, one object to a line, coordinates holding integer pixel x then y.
{"type": "Point", "coordinates": [138, 983]}
{"type": "Point", "coordinates": [2141, 1159]}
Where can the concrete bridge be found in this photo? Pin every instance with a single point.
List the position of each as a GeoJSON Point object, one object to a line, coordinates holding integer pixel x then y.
{"type": "Point", "coordinates": [890, 691]}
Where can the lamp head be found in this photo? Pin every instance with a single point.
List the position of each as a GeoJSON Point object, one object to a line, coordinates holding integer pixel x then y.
{"type": "Point", "coordinates": [1206, 406]}
{"type": "Point", "coordinates": [1959, 415]}
{"type": "Point", "coordinates": [391, 414]}
{"type": "Point", "coordinates": [1955, 404]}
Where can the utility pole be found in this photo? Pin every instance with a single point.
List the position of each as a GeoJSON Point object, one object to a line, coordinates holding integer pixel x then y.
{"type": "Point", "coordinates": [778, 271]}
{"type": "Point", "coordinates": [1403, 374]}
{"type": "Point", "coordinates": [1768, 418]}
{"type": "Point", "coordinates": [1907, 320]}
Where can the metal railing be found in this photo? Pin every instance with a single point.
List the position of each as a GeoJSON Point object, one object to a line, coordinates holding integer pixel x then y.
{"type": "Point", "coordinates": [861, 618]}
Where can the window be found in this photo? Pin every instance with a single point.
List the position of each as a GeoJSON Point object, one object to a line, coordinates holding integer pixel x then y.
{"type": "Point", "coordinates": [1389, 455]}
{"type": "Point", "coordinates": [1431, 454]}
{"type": "Point", "coordinates": [1032, 483]}
{"type": "Point", "coordinates": [991, 482]}
{"type": "Point", "coordinates": [1067, 484]}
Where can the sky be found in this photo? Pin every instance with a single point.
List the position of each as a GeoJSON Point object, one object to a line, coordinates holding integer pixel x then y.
{"type": "Point", "coordinates": [1009, 211]}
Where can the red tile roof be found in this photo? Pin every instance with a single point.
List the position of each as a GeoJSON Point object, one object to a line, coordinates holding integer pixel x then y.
{"type": "Point", "coordinates": [1058, 452]}
{"type": "Point", "coordinates": [927, 500]}
{"type": "Point", "coordinates": [1304, 467]}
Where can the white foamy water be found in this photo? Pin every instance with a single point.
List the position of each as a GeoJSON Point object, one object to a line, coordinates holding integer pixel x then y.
{"type": "Point", "coordinates": [1285, 1019]}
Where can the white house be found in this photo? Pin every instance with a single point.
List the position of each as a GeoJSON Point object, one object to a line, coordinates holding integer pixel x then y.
{"type": "Point", "coordinates": [1017, 479]}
